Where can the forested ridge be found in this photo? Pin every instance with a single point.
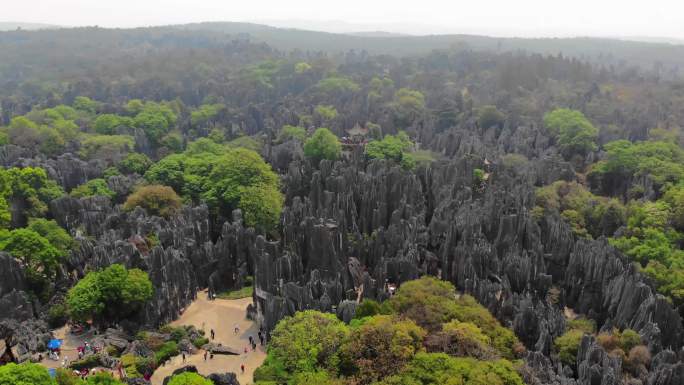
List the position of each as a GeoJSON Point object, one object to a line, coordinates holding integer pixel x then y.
{"type": "Point", "coordinates": [463, 210]}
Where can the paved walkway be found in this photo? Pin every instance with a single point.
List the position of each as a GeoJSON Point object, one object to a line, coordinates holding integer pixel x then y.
{"type": "Point", "coordinates": [220, 315]}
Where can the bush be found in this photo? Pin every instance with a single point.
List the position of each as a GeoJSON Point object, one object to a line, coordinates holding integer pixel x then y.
{"type": "Point", "coordinates": [367, 308]}
{"type": "Point", "coordinates": [24, 374]}
{"type": "Point", "coordinates": [567, 346]}
{"type": "Point", "coordinates": [381, 347]}
{"type": "Point", "coordinates": [58, 315]}
{"type": "Point", "coordinates": [135, 163]}
{"type": "Point", "coordinates": [307, 341]}
{"type": "Point", "coordinates": [323, 144]}
{"type": "Point", "coordinates": [166, 351]}
{"type": "Point", "coordinates": [200, 341]}
{"type": "Point", "coordinates": [94, 187]}
{"type": "Point", "coordinates": [638, 356]}
{"type": "Point", "coordinates": [155, 199]}
{"type": "Point", "coordinates": [189, 378]}
{"type": "Point", "coordinates": [292, 132]}
{"type": "Point", "coordinates": [111, 294]}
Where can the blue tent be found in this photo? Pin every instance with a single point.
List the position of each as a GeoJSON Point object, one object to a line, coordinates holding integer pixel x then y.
{"type": "Point", "coordinates": [54, 344]}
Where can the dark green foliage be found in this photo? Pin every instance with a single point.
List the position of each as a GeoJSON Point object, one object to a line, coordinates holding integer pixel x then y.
{"type": "Point", "coordinates": [93, 187]}
{"type": "Point", "coordinates": [567, 346]}
{"type": "Point", "coordinates": [489, 116]}
{"type": "Point", "coordinates": [166, 351]}
{"type": "Point", "coordinates": [40, 257]}
{"type": "Point", "coordinates": [135, 163]}
{"type": "Point", "coordinates": [110, 294]}
{"type": "Point", "coordinates": [323, 144]}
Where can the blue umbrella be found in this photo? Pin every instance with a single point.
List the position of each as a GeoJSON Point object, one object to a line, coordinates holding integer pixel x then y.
{"type": "Point", "coordinates": [54, 344]}
{"type": "Point", "coordinates": [52, 372]}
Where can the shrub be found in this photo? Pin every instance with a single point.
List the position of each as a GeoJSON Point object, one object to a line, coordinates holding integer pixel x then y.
{"type": "Point", "coordinates": [638, 356]}
{"type": "Point", "coordinates": [323, 144]}
{"type": "Point", "coordinates": [200, 341]}
{"type": "Point", "coordinates": [367, 308]}
{"type": "Point", "coordinates": [567, 346]}
{"type": "Point", "coordinates": [166, 351]}
{"type": "Point", "coordinates": [189, 378]}
{"type": "Point", "coordinates": [94, 187]}
{"type": "Point", "coordinates": [134, 163]}
{"type": "Point", "coordinates": [155, 199]}
{"type": "Point", "coordinates": [24, 374]}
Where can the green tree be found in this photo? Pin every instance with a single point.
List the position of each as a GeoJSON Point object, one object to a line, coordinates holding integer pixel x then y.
{"type": "Point", "coordinates": [110, 294]}
{"type": "Point", "coordinates": [107, 124]}
{"type": "Point", "coordinates": [567, 346]}
{"type": "Point", "coordinates": [189, 378]}
{"type": "Point", "coordinates": [86, 104]}
{"type": "Point", "coordinates": [110, 148]}
{"type": "Point", "coordinates": [261, 205]}
{"type": "Point", "coordinates": [292, 132]}
{"type": "Point", "coordinates": [91, 188]}
{"type": "Point", "coordinates": [307, 341]}
{"type": "Point", "coordinates": [25, 374]}
{"type": "Point", "coordinates": [135, 163]}
{"type": "Point", "coordinates": [323, 144]}
{"type": "Point", "coordinates": [489, 116]}
{"type": "Point", "coordinates": [390, 147]}
{"type": "Point", "coordinates": [381, 346]}
{"type": "Point", "coordinates": [155, 199]}
{"type": "Point", "coordinates": [36, 253]}
{"type": "Point", "coordinates": [54, 233]}
{"type": "Point", "coordinates": [574, 132]}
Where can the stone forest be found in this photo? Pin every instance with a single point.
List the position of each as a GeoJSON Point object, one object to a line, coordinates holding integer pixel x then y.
{"type": "Point", "coordinates": [226, 203]}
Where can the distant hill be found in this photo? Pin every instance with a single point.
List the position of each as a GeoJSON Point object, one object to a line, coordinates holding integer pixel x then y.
{"type": "Point", "coordinates": [604, 51]}
{"type": "Point", "coordinates": [376, 34]}
{"type": "Point", "coordinates": [13, 26]}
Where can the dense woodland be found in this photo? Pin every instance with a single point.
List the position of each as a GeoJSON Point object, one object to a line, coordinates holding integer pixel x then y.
{"type": "Point", "coordinates": [124, 149]}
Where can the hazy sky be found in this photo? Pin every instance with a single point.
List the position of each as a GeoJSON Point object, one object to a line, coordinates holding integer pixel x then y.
{"type": "Point", "coordinates": [501, 17]}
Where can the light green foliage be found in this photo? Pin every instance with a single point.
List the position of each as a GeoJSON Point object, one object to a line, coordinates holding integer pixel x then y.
{"type": "Point", "coordinates": [86, 104]}
{"type": "Point", "coordinates": [408, 105]}
{"type": "Point", "coordinates": [36, 253]}
{"type": "Point", "coordinates": [111, 294]}
{"type": "Point", "coordinates": [54, 233]}
{"type": "Point", "coordinates": [45, 130]}
{"type": "Point", "coordinates": [261, 206]}
{"type": "Point", "coordinates": [223, 177]}
{"type": "Point", "coordinates": [574, 132]}
{"type": "Point", "coordinates": [323, 144]}
{"type": "Point", "coordinates": [489, 116]}
{"type": "Point", "coordinates": [25, 374]}
{"type": "Point", "coordinates": [649, 236]}
{"type": "Point", "coordinates": [390, 147]}
{"type": "Point", "coordinates": [155, 119]}
{"type": "Point", "coordinates": [583, 324]}
{"type": "Point", "coordinates": [466, 330]}
{"type": "Point", "coordinates": [91, 188]}
{"type": "Point", "coordinates": [567, 346]}
{"type": "Point", "coordinates": [674, 197]}
{"type": "Point", "coordinates": [155, 199]}
{"type": "Point", "coordinates": [302, 67]}
{"type": "Point", "coordinates": [326, 113]}
{"type": "Point", "coordinates": [205, 114]}
{"type": "Point", "coordinates": [66, 377]}
{"type": "Point", "coordinates": [663, 162]}
{"type": "Point", "coordinates": [292, 132]}
{"type": "Point", "coordinates": [107, 147]}
{"type": "Point", "coordinates": [337, 84]}
{"type": "Point", "coordinates": [668, 280]}
{"type": "Point", "coordinates": [381, 346]}
{"type": "Point", "coordinates": [107, 124]}
{"type": "Point", "coordinates": [31, 188]}
{"type": "Point", "coordinates": [307, 341]}
{"type": "Point", "coordinates": [189, 378]}
{"type": "Point", "coordinates": [247, 142]}
{"type": "Point", "coordinates": [431, 302]}
{"type": "Point", "coordinates": [172, 141]}
{"type": "Point", "coordinates": [441, 369]}
{"type": "Point", "coordinates": [134, 163]}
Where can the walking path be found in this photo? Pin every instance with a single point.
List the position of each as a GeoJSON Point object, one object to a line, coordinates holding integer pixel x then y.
{"type": "Point", "coordinates": [220, 315]}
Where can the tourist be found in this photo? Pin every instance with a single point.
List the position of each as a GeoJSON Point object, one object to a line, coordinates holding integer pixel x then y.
{"type": "Point", "coordinates": [236, 328]}
{"type": "Point", "coordinates": [242, 368]}
{"type": "Point", "coordinates": [211, 355]}
{"type": "Point", "coordinates": [251, 339]}
{"type": "Point", "coordinates": [205, 355]}
{"type": "Point", "coordinates": [212, 334]}
{"type": "Point", "coordinates": [183, 357]}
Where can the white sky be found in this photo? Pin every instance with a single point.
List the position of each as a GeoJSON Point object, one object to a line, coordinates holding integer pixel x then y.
{"type": "Point", "coordinates": [663, 18]}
